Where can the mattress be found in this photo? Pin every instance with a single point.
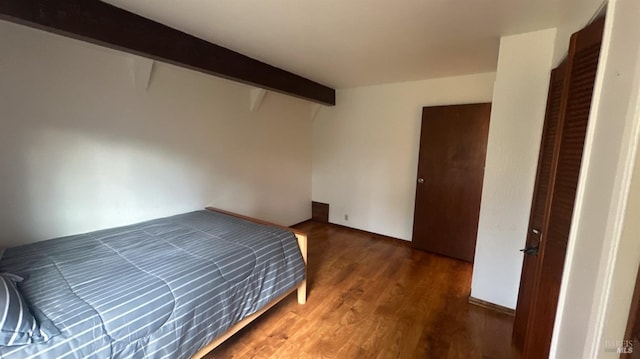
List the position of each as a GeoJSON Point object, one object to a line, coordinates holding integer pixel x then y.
{"type": "Point", "coordinates": [158, 289]}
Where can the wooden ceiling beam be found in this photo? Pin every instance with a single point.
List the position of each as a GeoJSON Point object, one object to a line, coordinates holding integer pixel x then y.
{"type": "Point", "coordinates": [103, 24]}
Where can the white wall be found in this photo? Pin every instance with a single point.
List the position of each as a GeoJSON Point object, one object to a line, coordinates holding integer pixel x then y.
{"type": "Point", "coordinates": [574, 15]}
{"type": "Point", "coordinates": [81, 148]}
{"type": "Point", "coordinates": [603, 252]}
{"type": "Point", "coordinates": [517, 116]}
{"type": "Point", "coordinates": [612, 311]}
{"type": "Point", "coordinates": [365, 150]}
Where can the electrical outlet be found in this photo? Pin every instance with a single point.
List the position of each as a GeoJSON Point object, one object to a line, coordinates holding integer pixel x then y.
{"type": "Point", "coordinates": [346, 217]}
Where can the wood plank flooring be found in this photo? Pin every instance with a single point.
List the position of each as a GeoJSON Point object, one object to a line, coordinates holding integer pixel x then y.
{"type": "Point", "coordinates": [374, 297]}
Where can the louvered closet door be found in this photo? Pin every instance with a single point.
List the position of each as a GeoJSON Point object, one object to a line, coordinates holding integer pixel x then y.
{"type": "Point", "coordinates": [538, 205]}
{"type": "Point", "coordinates": [632, 334]}
{"type": "Point", "coordinates": [581, 71]}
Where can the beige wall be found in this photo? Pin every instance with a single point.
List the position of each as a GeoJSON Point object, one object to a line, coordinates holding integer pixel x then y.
{"type": "Point", "coordinates": [517, 116]}
{"type": "Point", "coordinates": [365, 150]}
{"type": "Point", "coordinates": [574, 15]}
{"type": "Point", "coordinates": [81, 148]}
{"type": "Point", "coordinates": [625, 261]}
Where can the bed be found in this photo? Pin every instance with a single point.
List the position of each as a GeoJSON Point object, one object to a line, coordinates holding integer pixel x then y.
{"type": "Point", "coordinates": [173, 287]}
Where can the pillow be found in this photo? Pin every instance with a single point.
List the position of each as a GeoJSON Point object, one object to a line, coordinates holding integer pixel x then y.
{"type": "Point", "coordinates": [18, 326]}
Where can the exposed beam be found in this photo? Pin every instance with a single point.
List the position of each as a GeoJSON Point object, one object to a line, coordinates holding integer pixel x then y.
{"type": "Point", "coordinates": [100, 23]}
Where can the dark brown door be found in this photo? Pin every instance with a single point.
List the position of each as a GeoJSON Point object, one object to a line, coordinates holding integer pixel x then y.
{"type": "Point", "coordinates": [453, 145]}
{"type": "Point", "coordinates": [632, 334]}
{"type": "Point", "coordinates": [538, 205]}
{"type": "Point", "coordinates": [572, 125]}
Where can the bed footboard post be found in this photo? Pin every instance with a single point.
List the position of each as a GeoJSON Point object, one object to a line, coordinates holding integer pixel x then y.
{"type": "Point", "coordinates": [302, 288]}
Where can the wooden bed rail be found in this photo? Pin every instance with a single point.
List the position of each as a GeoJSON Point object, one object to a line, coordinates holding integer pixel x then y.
{"type": "Point", "coordinates": [255, 220]}
{"type": "Point", "coordinates": [302, 288]}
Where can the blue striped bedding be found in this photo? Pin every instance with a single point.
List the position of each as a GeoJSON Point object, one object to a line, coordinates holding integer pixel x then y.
{"type": "Point", "coordinates": [158, 289]}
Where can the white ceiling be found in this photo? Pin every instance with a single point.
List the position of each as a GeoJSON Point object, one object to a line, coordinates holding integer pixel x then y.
{"type": "Point", "coordinates": [347, 43]}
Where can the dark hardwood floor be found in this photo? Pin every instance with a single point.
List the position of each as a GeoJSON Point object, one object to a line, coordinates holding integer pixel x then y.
{"type": "Point", "coordinates": [374, 297]}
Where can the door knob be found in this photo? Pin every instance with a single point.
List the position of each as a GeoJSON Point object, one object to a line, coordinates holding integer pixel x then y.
{"type": "Point", "coordinates": [532, 251]}
{"type": "Point", "coordinates": [535, 231]}
{"type": "Point", "coordinates": [420, 180]}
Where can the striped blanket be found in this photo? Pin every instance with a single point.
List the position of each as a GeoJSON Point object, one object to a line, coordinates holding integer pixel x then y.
{"type": "Point", "coordinates": [158, 289]}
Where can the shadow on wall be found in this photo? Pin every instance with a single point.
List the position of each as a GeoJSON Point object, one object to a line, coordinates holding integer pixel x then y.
{"type": "Point", "coordinates": [82, 148]}
{"type": "Point", "coordinates": [65, 172]}
{"type": "Point", "coordinates": [65, 182]}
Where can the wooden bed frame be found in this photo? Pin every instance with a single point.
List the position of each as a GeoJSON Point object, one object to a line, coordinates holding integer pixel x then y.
{"type": "Point", "coordinates": [301, 289]}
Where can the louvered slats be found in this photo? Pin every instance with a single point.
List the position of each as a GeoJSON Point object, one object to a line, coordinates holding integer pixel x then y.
{"type": "Point", "coordinates": [580, 93]}
{"type": "Point", "coordinates": [548, 145]}
{"type": "Point", "coordinates": [539, 203]}
{"type": "Point", "coordinates": [565, 169]}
